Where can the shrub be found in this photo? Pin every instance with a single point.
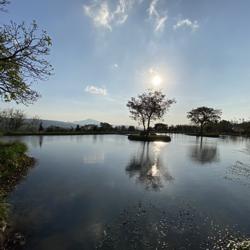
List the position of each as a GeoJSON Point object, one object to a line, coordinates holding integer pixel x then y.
{"type": "Point", "coordinates": [10, 155]}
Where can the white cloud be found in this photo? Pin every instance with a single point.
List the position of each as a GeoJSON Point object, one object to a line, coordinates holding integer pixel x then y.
{"type": "Point", "coordinates": [152, 8]}
{"type": "Point", "coordinates": [160, 24]}
{"type": "Point", "coordinates": [95, 90]}
{"type": "Point", "coordinates": [99, 14]}
{"type": "Point", "coordinates": [103, 15]}
{"type": "Point", "coordinates": [115, 66]}
{"type": "Point", "coordinates": [152, 71]}
{"type": "Point", "coordinates": [158, 18]}
{"type": "Point", "coordinates": [193, 25]}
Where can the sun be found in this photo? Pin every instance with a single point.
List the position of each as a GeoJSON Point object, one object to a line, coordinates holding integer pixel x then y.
{"type": "Point", "coordinates": [156, 80]}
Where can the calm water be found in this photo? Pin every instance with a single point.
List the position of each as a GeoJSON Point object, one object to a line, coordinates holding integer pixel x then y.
{"type": "Point", "coordinates": [106, 192]}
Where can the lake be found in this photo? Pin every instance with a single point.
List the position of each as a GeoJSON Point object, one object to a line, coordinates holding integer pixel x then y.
{"type": "Point", "coordinates": [106, 192]}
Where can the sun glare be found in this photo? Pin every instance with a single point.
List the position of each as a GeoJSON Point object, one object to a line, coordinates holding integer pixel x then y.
{"type": "Point", "coordinates": [156, 81]}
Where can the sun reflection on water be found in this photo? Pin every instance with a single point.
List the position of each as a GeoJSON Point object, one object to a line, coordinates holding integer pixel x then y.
{"type": "Point", "coordinates": [148, 168]}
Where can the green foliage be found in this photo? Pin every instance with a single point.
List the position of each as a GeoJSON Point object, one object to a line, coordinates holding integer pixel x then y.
{"type": "Point", "coordinates": [22, 61]}
{"type": "Point", "coordinates": [11, 119]}
{"type": "Point", "coordinates": [4, 211]}
{"type": "Point", "coordinates": [12, 168]}
{"type": "Point", "coordinates": [10, 154]}
{"type": "Point", "coordinates": [15, 148]}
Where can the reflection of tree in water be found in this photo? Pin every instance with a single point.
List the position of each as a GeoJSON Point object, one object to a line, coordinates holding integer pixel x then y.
{"type": "Point", "coordinates": [40, 141]}
{"type": "Point", "coordinates": [36, 141]}
{"type": "Point", "coordinates": [204, 154]}
{"type": "Point", "coordinates": [147, 167]}
{"type": "Point", "coordinates": [246, 149]}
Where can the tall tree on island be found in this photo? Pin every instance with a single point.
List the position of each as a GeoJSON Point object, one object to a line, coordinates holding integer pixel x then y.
{"type": "Point", "coordinates": [204, 115]}
{"type": "Point", "coordinates": [22, 60]}
{"type": "Point", "coordinates": [149, 106]}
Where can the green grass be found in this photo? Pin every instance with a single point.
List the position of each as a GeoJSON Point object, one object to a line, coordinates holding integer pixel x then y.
{"type": "Point", "coordinates": [12, 149]}
{"type": "Point", "coordinates": [14, 165]}
{"type": "Point", "coordinates": [4, 212]}
{"type": "Point", "coordinates": [12, 157]}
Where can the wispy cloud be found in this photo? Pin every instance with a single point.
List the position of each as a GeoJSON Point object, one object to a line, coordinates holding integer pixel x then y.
{"type": "Point", "coordinates": [99, 14]}
{"type": "Point", "coordinates": [158, 18]}
{"type": "Point", "coordinates": [96, 90]}
{"type": "Point", "coordinates": [115, 66]}
{"type": "Point", "coordinates": [186, 23]}
{"type": "Point", "coordinates": [105, 15]}
{"type": "Point", "coordinates": [152, 71]}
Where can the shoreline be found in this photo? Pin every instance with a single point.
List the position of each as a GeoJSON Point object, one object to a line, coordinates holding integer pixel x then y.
{"type": "Point", "coordinates": [112, 133]}
{"type": "Point", "coordinates": [14, 166]}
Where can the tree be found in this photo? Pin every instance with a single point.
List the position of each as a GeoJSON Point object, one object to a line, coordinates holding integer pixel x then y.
{"type": "Point", "coordinates": [22, 60]}
{"type": "Point", "coordinates": [33, 124]}
{"type": "Point", "coordinates": [203, 116]}
{"type": "Point", "coordinates": [41, 129]}
{"type": "Point", "coordinates": [11, 120]}
{"type": "Point", "coordinates": [161, 127]}
{"type": "Point", "coordinates": [148, 107]}
{"type": "Point", "coordinates": [105, 126]}
{"type": "Point", "coordinates": [131, 128]}
{"type": "Point", "coordinates": [225, 126]}
{"type": "Point", "coordinates": [77, 128]}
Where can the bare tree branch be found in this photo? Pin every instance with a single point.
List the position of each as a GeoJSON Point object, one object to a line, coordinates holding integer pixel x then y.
{"type": "Point", "coordinates": [22, 61]}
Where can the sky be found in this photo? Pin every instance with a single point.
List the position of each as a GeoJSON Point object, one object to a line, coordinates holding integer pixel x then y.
{"type": "Point", "coordinates": [104, 52]}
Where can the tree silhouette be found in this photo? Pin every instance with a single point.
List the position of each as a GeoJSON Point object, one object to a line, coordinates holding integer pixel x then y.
{"type": "Point", "coordinates": [41, 127]}
{"type": "Point", "coordinates": [148, 107]}
{"type": "Point", "coordinates": [203, 116]}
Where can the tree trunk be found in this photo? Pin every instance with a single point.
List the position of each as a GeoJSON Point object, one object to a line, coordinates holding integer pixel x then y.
{"type": "Point", "coordinates": [144, 127]}
{"type": "Point", "coordinates": [201, 130]}
{"type": "Point", "coordinates": [148, 126]}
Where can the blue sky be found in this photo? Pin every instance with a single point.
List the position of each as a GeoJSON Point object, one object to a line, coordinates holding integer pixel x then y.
{"type": "Point", "coordinates": [106, 51]}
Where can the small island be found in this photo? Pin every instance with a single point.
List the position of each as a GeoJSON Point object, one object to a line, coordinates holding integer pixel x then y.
{"type": "Point", "coordinates": [150, 137]}
{"type": "Point", "coordinates": [147, 107]}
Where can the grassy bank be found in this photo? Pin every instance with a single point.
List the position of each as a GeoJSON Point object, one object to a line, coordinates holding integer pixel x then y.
{"type": "Point", "coordinates": [14, 165]}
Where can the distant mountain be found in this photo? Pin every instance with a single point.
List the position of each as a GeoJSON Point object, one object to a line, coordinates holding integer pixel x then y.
{"type": "Point", "coordinates": [87, 121]}
{"type": "Point", "coordinates": [48, 123]}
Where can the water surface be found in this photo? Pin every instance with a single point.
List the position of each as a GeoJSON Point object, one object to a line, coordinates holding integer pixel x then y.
{"type": "Point", "coordinates": [104, 191]}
